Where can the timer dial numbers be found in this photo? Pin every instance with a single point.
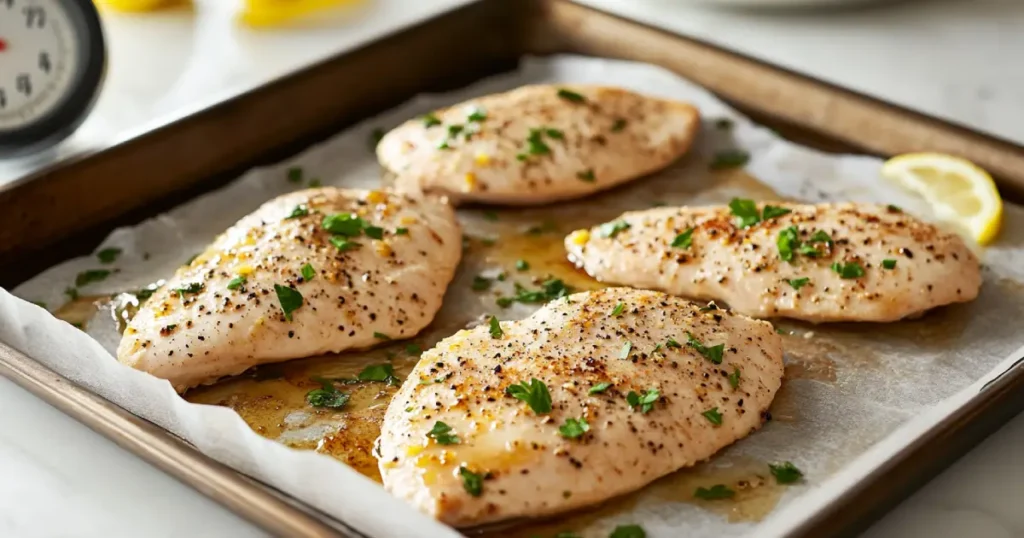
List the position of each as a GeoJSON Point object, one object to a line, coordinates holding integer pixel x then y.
{"type": "Point", "coordinates": [39, 60]}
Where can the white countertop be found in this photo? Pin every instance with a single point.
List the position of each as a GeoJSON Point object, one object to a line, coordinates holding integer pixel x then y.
{"type": "Point", "coordinates": [957, 60]}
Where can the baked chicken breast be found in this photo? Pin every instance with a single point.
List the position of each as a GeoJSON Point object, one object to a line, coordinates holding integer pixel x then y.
{"type": "Point", "coordinates": [593, 396]}
{"type": "Point", "coordinates": [538, 144]}
{"type": "Point", "coordinates": [826, 262]}
{"type": "Point", "coordinates": [310, 272]}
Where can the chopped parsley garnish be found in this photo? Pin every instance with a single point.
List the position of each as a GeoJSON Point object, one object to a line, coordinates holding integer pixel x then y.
{"type": "Point", "coordinates": [430, 120]}
{"type": "Point", "coordinates": [308, 272]}
{"type": "Point", "coordinates": [734, 378]}
{"type": "Point", "coordinates": [108, 255]}
{"type": "Point", "coordinates": [848, 270]}
{"type": "Point", "coordinates": [236, 283]}
{"type": "Point", "coordinates": [299, 211]}
{"type": "Point", "coordinates": [289, 298]}
{"type": "Point", "coordinates": [315, 182]}
{"type": "Point", "coordinates": [495, 328]}
{"type": "Point", "coordinates": [644, 401]}
{"type": "Point", "coordinates": [894, 208]}
{"type": "Point", "coordinates": [442, 433]}
{"type": "Point", "coordinates": [191, 288]}
{"type": "Point", "coordinates": [628, 531]}
{"type": "Point", "coordinates": [586, 175]}
{"type": "Point", "coordinates": [820, 236]}
{"type": "Point", "coordinates": [573, 429]}
{"type": "Point", "coordinates": [713, 353]}
{"type": "Point", "coordinates": [730, 158]}
{"type": "Point", "coordinates": [343, 244]}
{"type": "Point", "coordinates": [491, 216]}
{"type": "Point", "coordinates": [570, 95]}
{"type": "Point", "coordinates": [190, 260]}
{"type": "Point", "coordinates": [599, 388]}
{"type": "Point", "coordinates": [295, 174]}
{"type": "Point", "coordinates": [684, 239]}
{"type": "Point", "coordinates": [413, 349]}
{"type": "Point", "coordinates": [522, 265]}
{"type": "Point", "coordinates": [72, 293]}
{"type": "Point", "coordinates": [554, 133]}
{"type": "Point", "coordinates": [535, 145]}
{"type": "Point", "coordinates": [745, 211]}
{"type": "Point", "coordinates": [619, 125]}
{"type": "Point", "coordinates": [714, 493]}
{"type": "Point", "coordinates": [785, 472]}
{"type": "Point", "coordinates": [454, 130]}
{"type": "Point", "coordinates": [611, 229]}
{"type": "Point", "coordinates": [618, 310]}
{"type": "Point", "coordinates": [535, 394]}
{"type": "Point", "coordinates": [723, 123]}
{"type": "Point", "coordinates": [328, 396]}
{"type": "Point", "coordinates": [627, 348]}
{"type": "Point", "coordinates": [771, 211]}
{"type": "Point", "coordinates": [381, 336]}
{"type": "Point", "coordinates": [471, 482]}
{"type": "Point", "coordinates": [713, 416]}
{"type": "Point", "coordinates": [798, 283]}
{"type": "Point", "coordinates": [90, 276]}
{"type": "Point", "coordinates": [347, 224]}
{"type": "Point", "coordinates": [672, 343]}
{"type": "Point", "coordinates": [401, 231]}
{"type": "Point", "coordinates": [477, 115]}
{"type": "Point", "coordinates": [374, 232]}
{"type": "Point", "coordinates": [889, 263]}
{"type": "Point", "coordinates": [551, 290]}
{"type": "Point", "coordinates": [788, 242]}
{"type": "Point", "coordinates": [481, 283]}
{"type": "Point", "coordinates": [384, 373]}
{"type": "Point", "coordinates": [375, 137]}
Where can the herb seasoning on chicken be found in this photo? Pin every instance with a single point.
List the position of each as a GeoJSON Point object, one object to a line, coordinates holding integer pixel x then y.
{"type": "Point", "coordinates": [551, 417]}
{"type": "Point", "coordinates": [535, 145]}
{"type": "Point", "coordinates": [284, 284]}
{"type": "Point", "coordinates": [827, 262]}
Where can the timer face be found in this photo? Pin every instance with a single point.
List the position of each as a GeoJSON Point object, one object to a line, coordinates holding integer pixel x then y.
{"type": "Point", "coordinates": [38, 60]}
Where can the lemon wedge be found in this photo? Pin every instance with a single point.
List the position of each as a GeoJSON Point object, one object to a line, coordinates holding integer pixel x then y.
{"type": "Point", "coordinates": [132, 6]}
{"type": "Point", "coordinates": [266, 13]}
{"type": "Point", "coordinates": [959, 191]}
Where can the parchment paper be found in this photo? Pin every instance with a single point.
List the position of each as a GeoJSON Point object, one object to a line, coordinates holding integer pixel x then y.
{"type": "Point", "coordinates": [880, 377]}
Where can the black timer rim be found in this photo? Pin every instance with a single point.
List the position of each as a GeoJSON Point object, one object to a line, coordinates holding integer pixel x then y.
{"type": "Point", "coordinates": [69, 114]}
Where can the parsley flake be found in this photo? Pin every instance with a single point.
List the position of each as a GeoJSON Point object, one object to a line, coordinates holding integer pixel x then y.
{"type": "Point", "coordinates": [894, 208]}
{"type": "Point", "coordinates": [554, 133]}
{"type": "Point", "coordinates": [108, 255]}
{"type": "Point", "coordinates": [90, 276]}
{"type": "Point", "coordinates": [684, 239]}
{"type": "Point", "coordinates": [328, 396]}
{"type": "Point", "coordinates": [236, 282]}
{"type": "Point", "coordinates": [413, 349]}
{"type": "Point", "coordinates": [573, 428]}
{"type": "Point", "coordinates": [730, 158]}
{"type": "Point", "coordinates": [788, 242]}
{"type": "Point", "coordinates": [599, 388]}
{"type": "Point", "coordinates": [477, 115]}
{"type": "Point", "coordinates": [618, 310]}
{"type": "Point", "coordinates": [522, 265]}
{"type": "Point", "coordinates": [442, 433]}
{"type": "Point", "coordinates": [308, 272]}
{"type": "Point", "coordinates": [714, 493]}
{"type": "Point", "coordinates": [72, 293]}
{"type": "Point", "coordinates": [889, 263]}
{"type": "Point", "coordinates": [771, 211]}
{"type": "Point", "coordinates": [495, 328]}
{"type": "Point", "coordinates": [619, 125]}
{"type": "Point", "coordinates": [347, 224]}
{"type": "Point", "coordinates": [480, 283]}
{"type": "Point", "coordinates": [713, 353]}
{"type": "Point", "coordinates": [535, 145]}
{"type": "Point", "coordinates": [374, 232]}
{"type": "Point", "coordinates": [672, 343]}
{"type": "Point", "coordinates": [611, 229]}
{"type": "Point", "coordinates": [798, 283]}
{"type": "Point", "coordinates": [713, 416]}
{"type": "Point", "coordinates": [295, 174]}
{"type": "Point", "coordinates": [299, 211]}
{"type": "Point", "coordinates": [734, 378]}
{"type": "Point", "coordinates": [191, 288]}
{"type": "Point", "coordinates": [430, 120]}
{"type": "Point", "coordinates": [401, 231]}
{"type": "Point", "coordinates": [644, 401]}
{"type": "Point", "coordinates": [384, 373]}
{"type": "Point", "coordinates": [343, 244]}
{"type": "Point", "coordinates": [745, 211]}
{"type": "Point", "coordinates": [848, 270]}
{"type": "Point", "coordinates": [381, 336]}
{"type": "Point", "coordinates": [375, 137]}
{"type": "Point", "coordinates": [570, 95]}
{"type": "Point", "coordinates": [471, 482]}
{"type": "Point", "coordinates": [289, 298]}
{"type": "Point", "coordinates": [490, 215]}
{"type": "Point", "coordinates": [785, 472]}
{"type": "Point", "coordinates": [535, 394]}
{"type": "Point", "coordinates": [628, 531]}
{"type": "Point", "coordinates": [586, 175]}
{"type": "Point", "coordinates": [723, 123]}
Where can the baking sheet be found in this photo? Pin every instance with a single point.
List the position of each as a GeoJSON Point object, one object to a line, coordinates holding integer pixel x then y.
{"type": "Point", "coordinates": [847, 387]}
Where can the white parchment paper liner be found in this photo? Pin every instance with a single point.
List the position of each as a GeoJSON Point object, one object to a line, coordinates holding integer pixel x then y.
{"type": "Point", "coordinates": [862, 406]}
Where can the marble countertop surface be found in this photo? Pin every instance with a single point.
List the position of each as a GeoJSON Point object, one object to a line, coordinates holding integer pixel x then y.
{"type": "Point", "coordinates": [952, 59]}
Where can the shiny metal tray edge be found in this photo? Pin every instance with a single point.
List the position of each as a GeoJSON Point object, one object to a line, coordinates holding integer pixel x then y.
{"type": "Point", "coordinates": [814, 113]}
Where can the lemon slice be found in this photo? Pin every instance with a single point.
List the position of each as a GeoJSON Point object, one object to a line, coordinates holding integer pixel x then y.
{"type": "Point", "coordinates": [265, 13]}
{"type": "Point", "coordinates": [958, 190]}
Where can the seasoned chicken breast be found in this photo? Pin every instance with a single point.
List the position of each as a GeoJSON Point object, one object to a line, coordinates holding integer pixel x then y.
{"type": "Point", "coordinates": [827, 262]}
{"type": "Point", "coordinates": [538, 144]}
{"type": "Point", "coordinates": [310, 272]}
{"type": "Point", "coordinates": [592, 396]}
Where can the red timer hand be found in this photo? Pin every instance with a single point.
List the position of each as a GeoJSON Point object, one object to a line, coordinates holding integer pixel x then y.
{"type": "Point", "coordinates": [3, 45]}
